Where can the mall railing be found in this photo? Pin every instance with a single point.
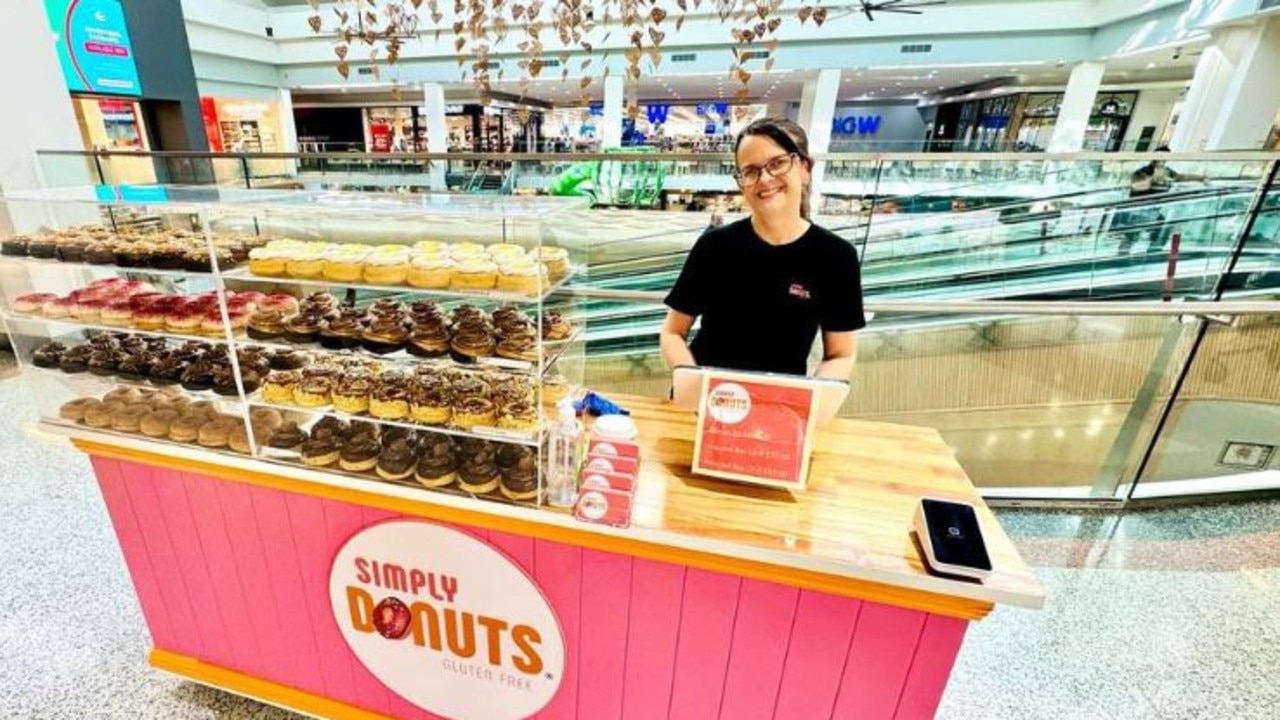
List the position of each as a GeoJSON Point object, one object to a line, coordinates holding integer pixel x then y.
{"type": "Point", "coordinates": [926, 225]}
{"type": "Point", "coordinates": [1058, 400]}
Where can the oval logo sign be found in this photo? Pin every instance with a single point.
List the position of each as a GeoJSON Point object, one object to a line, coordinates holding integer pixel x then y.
{"type": "Point", "coordinates": [729, 403]}
{"type": "Point", "coordinates": [446, 621]}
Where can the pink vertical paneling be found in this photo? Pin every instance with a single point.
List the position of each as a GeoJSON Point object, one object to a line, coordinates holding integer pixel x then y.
{"type": "Point", "coordinates": [239, 575]}
{"type": "Point", "coordinates": [295, 607]}
{"type": "Point", "coordinates": [317, 548]}
{"type": "Point", "coordinates": [884, 643]}
{"type": "Point", "coordinates": [819, 644]}
{"type": "Point", "coordinates": [761, 635]}
{"type": "Point", "coordinates": [397, 706]}
{"type": "Point", "coordinates": [141, 486]}
{"type": "Point", "coordinates": [519, 549]}
{"type": "Point", "coordinates": [146, 583]}
{"type": "Point", "coordinates": [274, 646]}
{"type": "Point", "coordinates": [224, 575]}
{"type": "Point", "coordinates": [606, 603]}
{"type": "Point", "coordinates": [560, 577]}
{"type": "Point", "coordinates": [343, 521]}
{"type": "Point", "coordinates": [171, 492]}
{"type": "Point", "coordinates": [657, 591]}
{"type": "Point", "coordinates": [706, 632]}
{"type": "Point", "coordinates": [936, 653]}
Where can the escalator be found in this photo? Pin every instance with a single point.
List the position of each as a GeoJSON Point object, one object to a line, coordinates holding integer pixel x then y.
{"type": "Point", "coordinates": [1096, 245]}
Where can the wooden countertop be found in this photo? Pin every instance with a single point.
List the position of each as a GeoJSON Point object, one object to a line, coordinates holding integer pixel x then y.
{"type": "Point", "coordinates": [853, 519]}
{"type": "Point", "coordinates": [847, 534]}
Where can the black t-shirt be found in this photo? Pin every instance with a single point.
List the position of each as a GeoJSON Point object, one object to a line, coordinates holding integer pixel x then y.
{"type": "Point", "coordinates": [762, 305]}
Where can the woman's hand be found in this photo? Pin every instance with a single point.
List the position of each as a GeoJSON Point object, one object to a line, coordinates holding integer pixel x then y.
{"type": "Point", "coordinates": [674, 339]}
{"type": "Point", "coordinates": [838, 352]}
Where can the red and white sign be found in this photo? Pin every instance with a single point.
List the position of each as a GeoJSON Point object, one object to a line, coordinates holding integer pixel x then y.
{"type": "Point", "coordinates": [380, 135]}
{"type": "Point", "coordinates": [603, 507]}
{"type": "Point", "coordinates": [446, 621]}
{"type": "Point", "coordinates": [606, 480]}
{"type": "Point", "coordinates": [755, 429]}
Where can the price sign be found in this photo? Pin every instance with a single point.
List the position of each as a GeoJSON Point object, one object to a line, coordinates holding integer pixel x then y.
{"type": "Point", "coordinates": [755, 429]}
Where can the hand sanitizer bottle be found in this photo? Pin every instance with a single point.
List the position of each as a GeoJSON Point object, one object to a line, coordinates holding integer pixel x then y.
{"type": "Point", "coordinates": [562, 456]}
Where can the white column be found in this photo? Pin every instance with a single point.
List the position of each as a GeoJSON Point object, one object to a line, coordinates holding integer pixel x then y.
{"type": "Point", "coordinates": [1252, 97]}
{"type": "Point", "coordinates": [1208, 90]}
{"type": "Point", "coordinates": [437, 131]}
{"type": "Point", "coordinates": [288, 128]}
{"type": "Point", "coordinates": [1077, 106]}
{"type": "Point", "coordinates": [37, 115]}
{"type": "Point", "coordinates": [817, 108]}
{"type": "Point", "coordinates": [611, 124]}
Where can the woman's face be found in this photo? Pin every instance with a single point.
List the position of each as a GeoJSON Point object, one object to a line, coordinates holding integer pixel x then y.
{"type": "Point", "coordinates": [771, 196]}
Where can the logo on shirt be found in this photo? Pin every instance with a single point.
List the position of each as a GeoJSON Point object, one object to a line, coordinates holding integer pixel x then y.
{"type": "Point", "coordinates": [798, 291]}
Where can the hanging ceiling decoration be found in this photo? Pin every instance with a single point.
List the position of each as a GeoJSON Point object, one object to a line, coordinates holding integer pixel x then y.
{"type": "Point", "coordinates": [383, 27]}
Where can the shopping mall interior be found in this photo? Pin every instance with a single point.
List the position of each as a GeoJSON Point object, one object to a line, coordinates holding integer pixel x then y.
{"type": "Point", "coordinates": [318, 316]}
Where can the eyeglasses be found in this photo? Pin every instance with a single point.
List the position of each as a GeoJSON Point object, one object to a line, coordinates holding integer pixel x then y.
{"type": "Point", "coordinates": [776, 167]}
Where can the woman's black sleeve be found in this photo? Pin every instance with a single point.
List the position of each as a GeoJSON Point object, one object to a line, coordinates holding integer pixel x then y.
{"type": "Point", "coordinates": [689, 294]}
{"type": "Point", "coordinates": [842, 297]}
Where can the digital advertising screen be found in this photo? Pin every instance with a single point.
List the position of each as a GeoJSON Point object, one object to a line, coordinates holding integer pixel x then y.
{"type": "Point", "coordinates": [93, 46]}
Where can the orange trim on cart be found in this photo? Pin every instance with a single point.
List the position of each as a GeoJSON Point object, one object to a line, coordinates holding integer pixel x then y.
{"type": "Point", "coordinates": [257, 688]}
{"type": "Point", "coordinates": [963, 608]}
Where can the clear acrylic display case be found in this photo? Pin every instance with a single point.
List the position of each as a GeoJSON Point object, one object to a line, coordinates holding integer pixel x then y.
{"type": "Point", "coordinates": [420, 340]}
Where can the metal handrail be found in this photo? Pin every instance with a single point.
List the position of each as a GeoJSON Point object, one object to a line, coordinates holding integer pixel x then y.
{"type": "Point", "coordinates": [1015, 307]}
{"type": "Point", "coordinates": [1219, 156]}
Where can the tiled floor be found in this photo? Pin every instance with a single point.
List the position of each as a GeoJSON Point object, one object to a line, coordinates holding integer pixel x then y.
{"type": "Point", "coordinates": [1167, 614]}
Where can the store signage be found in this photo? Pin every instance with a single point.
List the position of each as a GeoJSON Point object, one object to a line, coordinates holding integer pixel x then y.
{"type": "Point", "coordinates": [380, 135]}
{"type": "Point", "coordinates": [657, 113]}
{"type": "Point", "coordinates": [93, 46]}
{"type": "Point", "coordinates": [209, 114]}
{"type": "Point", "coordinates": [754, 428]}
{"type": "Point", "coordinates": [446, 621]}
{"type": "Point", "coordinates": [717, 109]}
{"type": "Point", "coordinates": [856, 125]}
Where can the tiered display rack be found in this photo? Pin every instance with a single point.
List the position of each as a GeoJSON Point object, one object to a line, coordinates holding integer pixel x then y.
{"type": "Point", "coordinates": [221, 227]}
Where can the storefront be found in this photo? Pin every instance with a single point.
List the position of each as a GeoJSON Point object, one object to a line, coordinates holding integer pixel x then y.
{"type": "Point", "coordinates": [110, 123]}
{"type": "Point", "coordinates": [695, 127]}
{"type": "Point", "coordinates": [1026, 122]}
{"type": "Point", "coordinates": [394, 130]}
{"type": "Point", "coordinates": [97, 64]}
{"type": "Point", "coordinates": [878, 127]}
{"type": "Point", "coordinates": [104, 73]}
{"type": "Point", "coordinates": [237, 125]}
{"type": "Point", "coordinates": [1033, 126]}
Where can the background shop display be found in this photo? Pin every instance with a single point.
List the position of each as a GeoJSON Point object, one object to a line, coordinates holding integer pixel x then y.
{"type": "Point", "coordinates": [1026, 122]}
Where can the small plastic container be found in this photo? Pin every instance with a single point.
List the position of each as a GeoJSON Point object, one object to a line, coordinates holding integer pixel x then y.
{"type": "Point", "coordinates": [614, 427]}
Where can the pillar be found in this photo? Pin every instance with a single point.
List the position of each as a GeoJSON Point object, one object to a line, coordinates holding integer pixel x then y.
{"type": "Point", "coordinates": [817, 108]}
{"type": "Point", "coordinates": [288, 128]}
{"type": "Point", "coordinates": [614, 100]}
{"type": "Point", "coordinates": [433, 110]}
{"type": "Point", "coordinates": [1077, 106]}
{"type": "Point", "coordinates": [38, 114]}
{"type": "Point", "coordinates": [779, 109]}
{"type": "Point", "coordinates": [1208, 91]}
{"type": "Point", "coordinates": [1253, 95]}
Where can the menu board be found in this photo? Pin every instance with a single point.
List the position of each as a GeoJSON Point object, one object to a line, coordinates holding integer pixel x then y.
{"type": "Point", "coordinates": [755, 428]}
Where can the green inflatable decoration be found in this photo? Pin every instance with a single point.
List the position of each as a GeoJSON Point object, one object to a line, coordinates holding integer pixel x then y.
{"type": "Point", "coordinates": [609, 182]}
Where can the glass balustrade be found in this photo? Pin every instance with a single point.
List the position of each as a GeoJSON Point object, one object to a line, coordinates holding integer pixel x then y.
{"type": "Point", "coordinates": [1053, 406]}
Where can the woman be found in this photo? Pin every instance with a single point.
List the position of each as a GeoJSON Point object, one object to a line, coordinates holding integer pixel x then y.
{"type": "Point", "coordinates": [765, 285]}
